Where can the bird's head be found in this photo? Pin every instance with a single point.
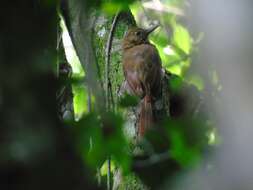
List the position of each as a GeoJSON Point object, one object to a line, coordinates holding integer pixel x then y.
{"type": "Point", "coordinates": [136, 36]}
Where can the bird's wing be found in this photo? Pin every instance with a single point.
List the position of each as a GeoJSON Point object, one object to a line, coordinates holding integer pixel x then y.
{"type": "Point", "coordinates": [151, 68]}
{"type": "Point", "coordinates": [134, 83]}
{"type": "Point", "coordinates": [131, 63]}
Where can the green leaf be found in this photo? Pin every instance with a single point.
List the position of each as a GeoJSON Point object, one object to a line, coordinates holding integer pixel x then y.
{"type": "Point", "coordinates": [159, 37]}
{"type": "Point", "coordinates": [104, 168]}
{"type": "Point", "coordinates": [111, 7]}
{"type": "Point", "coordinates": [80, 100]}
{"type": "Point", "coordinates": [182, 38]}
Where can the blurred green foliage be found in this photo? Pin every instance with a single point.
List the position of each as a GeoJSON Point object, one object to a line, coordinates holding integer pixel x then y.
{"type": "Point", "coordinates": [182, 38]}
{"type": "Point", "coordinates": [97, 137]}
{"type": "Point", "coordinates": [188, 140]}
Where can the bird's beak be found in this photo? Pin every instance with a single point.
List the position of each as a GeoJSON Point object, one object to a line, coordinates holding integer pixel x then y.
{"type": "Point", "coordinates": [151, 29]}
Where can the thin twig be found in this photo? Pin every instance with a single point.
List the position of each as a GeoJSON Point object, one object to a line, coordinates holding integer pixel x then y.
{"type": "Point", "coordinates": [108, 82]}
{"type": "Point", "coordinates": [96, 62]}
{"type": "Point", "coordinates": [108, 56]}
{"type": "Point", "coordinates": [111, 95]}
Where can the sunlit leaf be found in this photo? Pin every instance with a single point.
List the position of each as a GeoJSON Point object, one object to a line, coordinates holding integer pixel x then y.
{"type": "Point", "coordinates": [182, 38]}
{"type": "Point", "coordinates": [104, 168]}
{"type": "Point", "coordinates": [136, 8]}
{"type": "Point", "coordinates": [175, 69]}
{"type": "Point", "coordinates": [80, 100]}
{"type": "Point", "coordinates": [113, 6]}
{"type": "Point", "coordinates": [159, 37]}
{"type": "Point", "coordinates": [168, 50]}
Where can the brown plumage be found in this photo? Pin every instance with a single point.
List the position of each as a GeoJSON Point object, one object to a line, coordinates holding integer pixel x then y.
{"type": "Point", "coordinates": [142, 70]}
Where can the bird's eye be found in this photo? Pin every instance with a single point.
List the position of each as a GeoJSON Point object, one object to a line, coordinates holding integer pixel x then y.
{"type": "Point", "coordinates": [138, 33]}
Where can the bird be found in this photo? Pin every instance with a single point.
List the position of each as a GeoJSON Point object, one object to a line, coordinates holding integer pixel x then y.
{"type": "Point", "coordinates": [142, 69]}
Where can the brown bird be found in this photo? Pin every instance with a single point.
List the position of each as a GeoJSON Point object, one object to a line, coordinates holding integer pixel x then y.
{"type": "Point", "coordinates": [142, 70]}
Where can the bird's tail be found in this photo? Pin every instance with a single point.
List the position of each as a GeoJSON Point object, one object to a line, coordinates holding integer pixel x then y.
{"type": "Point", "coordinates": [146, 116]}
